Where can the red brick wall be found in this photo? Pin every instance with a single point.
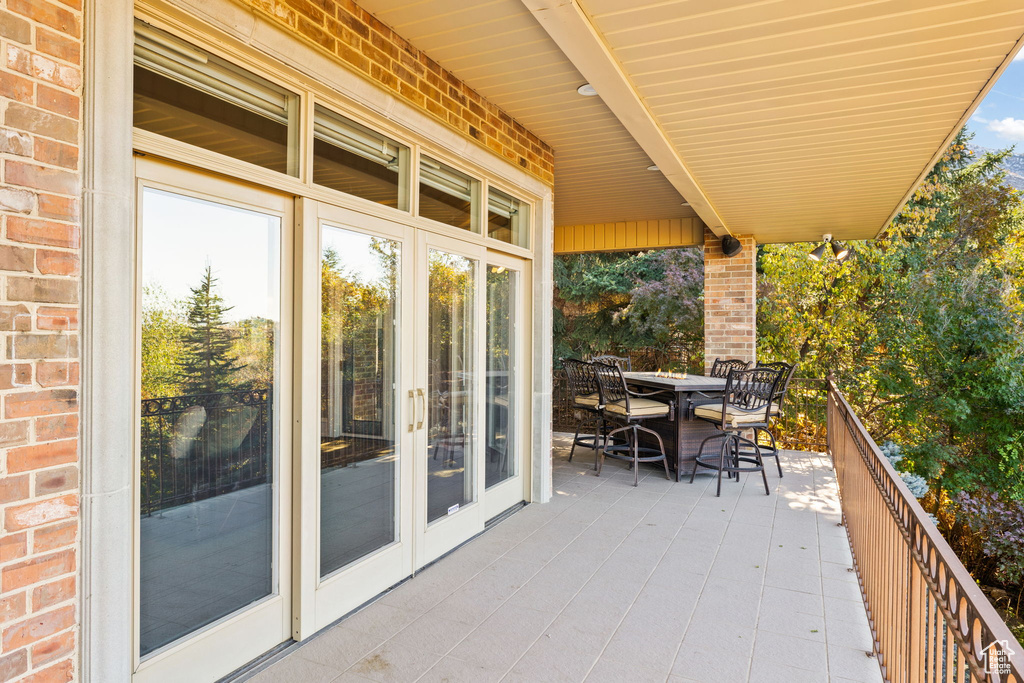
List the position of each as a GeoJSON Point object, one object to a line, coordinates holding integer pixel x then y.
{"type": "Point", "coordinates": [730, 304]}
{"type": "Point", "coordinates": [40, 85]}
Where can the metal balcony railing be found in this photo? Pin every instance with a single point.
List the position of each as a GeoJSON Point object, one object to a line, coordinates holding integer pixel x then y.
{"type": "Point", "coordinates": [929, 619]}
{"type": "Point", "coordinates": [203, 445]}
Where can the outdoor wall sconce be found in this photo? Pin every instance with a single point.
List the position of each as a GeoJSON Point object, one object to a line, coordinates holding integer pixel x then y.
{"type": "Point", "coordinates": [731, 246]}
{"type": "Point", "coordinates": [838, 250]}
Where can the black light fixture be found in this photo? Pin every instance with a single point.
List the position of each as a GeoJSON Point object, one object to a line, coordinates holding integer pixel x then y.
{"type": "Point", "coordinates": [838, 250]}
{"type": "Point", "coordinates": [731, 246]}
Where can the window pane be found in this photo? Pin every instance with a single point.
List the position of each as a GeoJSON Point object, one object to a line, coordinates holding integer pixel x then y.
{"type": "Point", "coordinates": [209, 369]}
{"type": "Point", "coordinates": [190, 95]}
{"type": "Point", "coordinates": [358, 370]}
{"type": "Point", "coordinates": [448, 196]}
{"type": "Point", "coordinates": [501, 367]}
{"type": "Point", "coordinates": [353, 159]}
{"type": "Point", "coordinates": [508, 219]}
{"type": "Point", "coordinates": [450, 382]}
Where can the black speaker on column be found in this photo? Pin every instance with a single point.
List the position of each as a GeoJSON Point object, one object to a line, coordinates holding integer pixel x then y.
{"type": "Point", "coordinates": [731, 246]}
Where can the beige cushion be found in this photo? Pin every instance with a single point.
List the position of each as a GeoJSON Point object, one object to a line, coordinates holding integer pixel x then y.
{"type": "Point", "coordinates": [638, 407]}
{"type": "Point", "coordinates": [734, 416]}
{"type": "Point", "coordinates": [590, 400]}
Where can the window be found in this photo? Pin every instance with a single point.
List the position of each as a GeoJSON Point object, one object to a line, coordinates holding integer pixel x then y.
{"type": "Point", "coordinates": [187, 94]}
{"type": "Point", "coordinates": [353, 159]}
{"type": "Point", "coordinates": [508, 219]}
{"type": "Point", "coordinates": [448, 196]}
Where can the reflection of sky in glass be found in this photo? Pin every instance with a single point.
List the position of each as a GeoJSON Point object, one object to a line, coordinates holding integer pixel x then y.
{"type": "Point", "coordinates": [181, 235]}
{"type": "Point", "coordinates": [356, 255]}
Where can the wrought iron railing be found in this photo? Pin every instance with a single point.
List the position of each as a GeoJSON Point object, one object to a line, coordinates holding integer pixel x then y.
{"type": "Point", "coordinates": [203, 445]}
{"type": "Point", "coordinates": [929, 619]}
{"type": "Point", "coordinates": [801, 426]}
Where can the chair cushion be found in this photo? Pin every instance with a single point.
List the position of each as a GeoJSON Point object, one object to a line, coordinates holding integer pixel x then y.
{"type": "Point", "coordinates": [734, 416]}
{"type": "Point", "coordinates": [638, 407]}
{"type": "Point", "coordinates": [590, 400]}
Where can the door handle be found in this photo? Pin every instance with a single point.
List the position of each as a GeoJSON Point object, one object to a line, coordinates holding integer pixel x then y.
{"type": "Point", "coordinates": [412, 409]}
{"type": "Point", "coordinates": [423, 406]}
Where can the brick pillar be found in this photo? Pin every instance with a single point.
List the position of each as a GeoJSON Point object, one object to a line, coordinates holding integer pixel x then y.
{"type": "Point", "coordinates": [730, 303]}
{"type": "Point", "coordinates": [40, 99]}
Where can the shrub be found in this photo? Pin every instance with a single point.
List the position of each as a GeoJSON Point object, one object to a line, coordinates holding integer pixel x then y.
{"type": "Point", "coordinates": [999, 526]}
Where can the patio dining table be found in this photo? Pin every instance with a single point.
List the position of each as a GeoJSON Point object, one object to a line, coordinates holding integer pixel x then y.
{"type": "Point", "coordinates": [682, 434]}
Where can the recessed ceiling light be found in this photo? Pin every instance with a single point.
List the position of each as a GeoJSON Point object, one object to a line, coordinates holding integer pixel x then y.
{"type": "Point", "coordinates": [653, 167]}
{"type": "Point", "coordinates": [685, 204]}
{"type": "Point", "coordinates": [586, 90]}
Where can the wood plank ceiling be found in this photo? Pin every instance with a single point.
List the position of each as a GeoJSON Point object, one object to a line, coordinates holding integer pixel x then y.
{"type": "Point", "coordinates": [791, 117]}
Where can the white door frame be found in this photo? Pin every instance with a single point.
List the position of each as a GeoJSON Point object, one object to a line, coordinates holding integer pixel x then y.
{"type": "Point", "coordinates": [515, 489]}
{"type": "Point", "coordinates": [442, 535]}
{"type": "Point", "coordinates": [224, 645]}
{"type": "Point", "coordinates": [319, 601]}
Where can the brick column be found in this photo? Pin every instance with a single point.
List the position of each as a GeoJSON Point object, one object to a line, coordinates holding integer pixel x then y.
{"type": "Point", "coordinates": [730, 303]}
{"type": "Point", "coordinates": [40, 98]}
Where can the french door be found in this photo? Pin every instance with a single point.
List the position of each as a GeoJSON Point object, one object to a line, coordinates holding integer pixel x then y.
{"type": "Point", "coordinates": [213, 532]}
{"type": "Point", "coordinates": [328, 401]}
{"type": "Point", "coordinates": [449, 382]}
{"type": "Point", "coordinates": [356, 370]}
{"type": "Point", "coordinates": [508, 364]}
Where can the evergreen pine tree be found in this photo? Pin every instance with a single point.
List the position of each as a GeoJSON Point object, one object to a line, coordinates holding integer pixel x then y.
{"type": "Point", "coordinates": [208, 364]}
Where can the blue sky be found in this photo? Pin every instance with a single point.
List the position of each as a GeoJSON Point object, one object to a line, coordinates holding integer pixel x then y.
{"type": "Point", "coordinates": [999, 121]}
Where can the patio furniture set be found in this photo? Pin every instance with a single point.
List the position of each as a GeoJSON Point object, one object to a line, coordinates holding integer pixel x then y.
{"type": "Point", "coordinates": [651, 417]}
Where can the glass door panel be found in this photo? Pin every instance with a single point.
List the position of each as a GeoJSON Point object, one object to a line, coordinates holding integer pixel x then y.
{"type": "Point", "coordinates": [357, 431]}
{"type": "Point", "coordinates": [358, 360]}
{"type": "Point", "coordinates": [212, 418]}
{"type": "Point", "coordinates": [507, 430]}
{"type": "Point", "coordinates": [209, 361]}
{"type": "Point", "coordinates": [449, 362]}
{"type": "Point", "coordinates": [500, 406]}
{"type": "Point", "coordinates": [451, 383]}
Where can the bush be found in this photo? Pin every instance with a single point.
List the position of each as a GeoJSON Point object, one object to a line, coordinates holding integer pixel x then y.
{"type": "Point", "coordinates": [917, 484]}
{"type": "Point", "coordinates": [999, 526]}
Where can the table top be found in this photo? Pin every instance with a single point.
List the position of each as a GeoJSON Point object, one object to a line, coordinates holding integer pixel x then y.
{"type": "Point", "coordinates": [676, 381]}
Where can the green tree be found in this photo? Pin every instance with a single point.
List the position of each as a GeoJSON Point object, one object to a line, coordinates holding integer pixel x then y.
{"type": "Point", "coordinates": [628, 303]}
{"type": "Point", "coordinates": [922, 327]}
{"type": "Point", "coordinates": [207, 364]}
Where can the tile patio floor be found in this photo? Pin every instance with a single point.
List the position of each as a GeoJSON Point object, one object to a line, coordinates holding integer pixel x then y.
{"type": "Point", "coordinates": [664, 582]}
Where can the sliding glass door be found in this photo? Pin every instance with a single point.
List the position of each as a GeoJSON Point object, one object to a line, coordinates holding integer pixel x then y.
{"type": "Point", "coordinates": [213, 415]}
{"type": "Point", "coordinates": [506, 420]}
{"type": "Point", "coordinates": [357, 454]}
{"type": "Point", "coordinates": [327, 402]}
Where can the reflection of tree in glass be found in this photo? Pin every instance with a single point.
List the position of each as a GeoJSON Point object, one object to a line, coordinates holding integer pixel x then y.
{"type": "Point", "coordinates": [357, 310]}
{"type": "Point", "coordinates": [450, 318]}
{"type": "Point", "coordinates": [254, 348]}
{"type": "Point", "coordinates": [208, 363]}
{"type": "Point", "coordinates": [499, 308]}
{"type": "Point", "coordinates": [163, 327]}
{"type": "Point", "coordinates": [346, 301]}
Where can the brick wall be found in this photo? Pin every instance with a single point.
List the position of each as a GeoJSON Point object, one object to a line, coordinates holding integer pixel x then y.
{"type": "Point", "coordinates": [40, 91]}
{"type": "Point", "coordinates": [730, 304]}
{"type": "Point", "coordinates": [356, 38]}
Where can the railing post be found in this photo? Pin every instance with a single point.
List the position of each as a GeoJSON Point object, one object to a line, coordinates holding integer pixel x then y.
{"type": "Point", "coordinates": [915, 620]}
